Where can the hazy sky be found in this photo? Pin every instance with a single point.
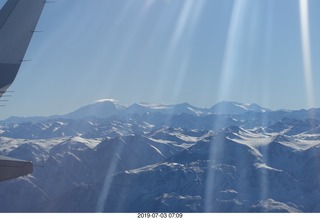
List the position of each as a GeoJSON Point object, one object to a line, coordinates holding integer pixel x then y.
{"type": "Point", "coordinates": [170, 51]}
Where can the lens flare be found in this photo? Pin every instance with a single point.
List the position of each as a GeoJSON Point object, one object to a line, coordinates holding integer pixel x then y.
{"type": "Point", "coordinates": [228, 69]}
{"type": "Point", "coordinates": [109, 179]}
{"type": "Point", "coordinates": [184, 30]}
{"type": "Point", "coordinates": [306, 51]}
{"type": "Point", "coordinates": [232, 45]}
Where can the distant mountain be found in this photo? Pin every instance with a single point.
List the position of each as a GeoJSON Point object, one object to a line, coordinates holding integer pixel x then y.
{"type": "Point", "coordinates": [106, 157]}
{"type": "Point", "coordinates": [108, 108]}
{"type": "Point", "coordinates": [141, 108]}
{"type": "Point", "coordinates": [234, 108]}
{"type": "Point", "coordinates": [249, 115]}
{"type": "Point", "coordinates": [17, 119]}
{"type": "Point", "coordinates": [100, 109]}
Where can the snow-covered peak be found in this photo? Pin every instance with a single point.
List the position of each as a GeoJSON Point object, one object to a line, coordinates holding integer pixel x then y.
{"type": "Point", "coordinates": [107, 100]}
{"type": "Point", "coordinates": [141, 108]}
{"type": "Point", "coordinates": [101, 109]}
{"type": "Point", "coordinates": [155, 106]}
{"type": "Point", "coordinates": [110, 102]}
{"type": "Point", "coordinates": [91, 143]}
{"type": "Point", "coordinates": [234, 108]}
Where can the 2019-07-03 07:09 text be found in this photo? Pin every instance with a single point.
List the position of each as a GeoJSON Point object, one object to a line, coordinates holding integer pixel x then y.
{"type": "Point", "coordinates": [160, 215]}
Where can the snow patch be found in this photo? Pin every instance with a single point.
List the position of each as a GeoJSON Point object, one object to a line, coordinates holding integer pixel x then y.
{"type": "Point", "coordinates": [107, 100]}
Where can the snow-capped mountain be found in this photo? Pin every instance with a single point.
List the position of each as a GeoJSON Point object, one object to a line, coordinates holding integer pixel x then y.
{"type": "Point", "coordinates": [101, 109]}
{"type": "Point", "coordinates": [234, 108]}
{"type": "Point", "coordinates": [226, 108]}
{"type": "Point", "coordinates": [107, 108]}
{"type": "Point", "coordinates": [106, 157]}
{"type": "Point", "coordinates": [142, 108]}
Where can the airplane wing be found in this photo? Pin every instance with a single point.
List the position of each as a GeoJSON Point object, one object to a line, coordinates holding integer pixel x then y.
{"type": "Point", "coordinates": [18, 20]}
{"type": "Point", "coordinates": [12, 168]}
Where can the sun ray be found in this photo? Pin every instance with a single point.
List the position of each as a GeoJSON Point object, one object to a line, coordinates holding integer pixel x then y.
{"type": "Point", "coordinates": [228, 69]}
{"type": "Point", "coordinates": [104, 194]}
{"type": "Point", "coordinates": [232, 45]}
{"type": "Point", "coordinates": [306, 51]}
{"type": "Point", "coordinates": [184, 30]}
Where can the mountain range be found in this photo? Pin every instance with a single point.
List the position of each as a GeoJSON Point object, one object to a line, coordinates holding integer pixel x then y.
{"type": "Point", "coordinates": [108, 107]}
{"type": "Point", "coordinates": [106, 157]}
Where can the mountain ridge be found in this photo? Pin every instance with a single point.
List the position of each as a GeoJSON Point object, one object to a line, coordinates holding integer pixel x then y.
{"type": "Point", "coordinates": [156, 162]}
{"type": "Point", "coordinates": [109, 107]}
